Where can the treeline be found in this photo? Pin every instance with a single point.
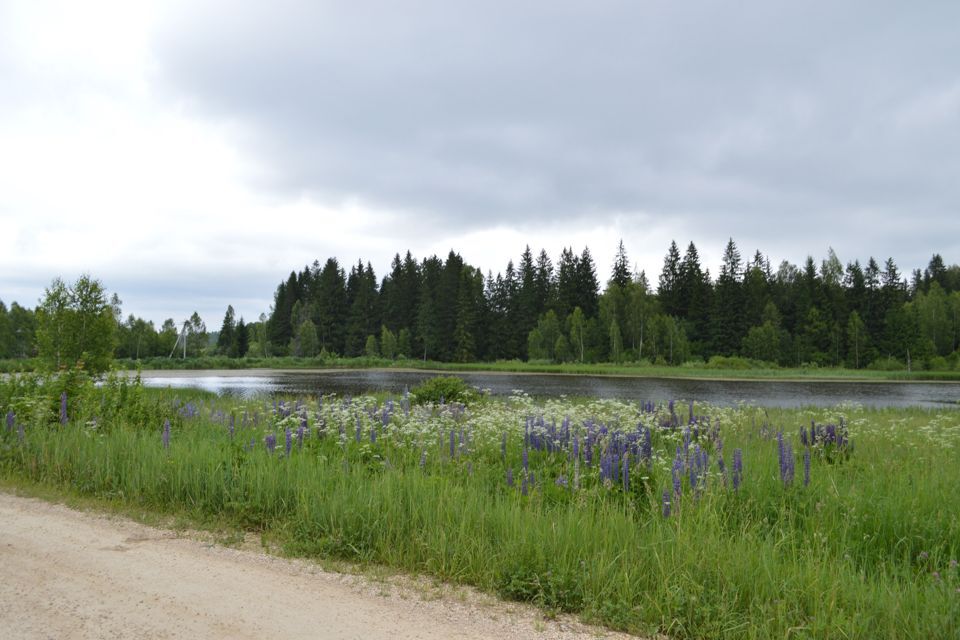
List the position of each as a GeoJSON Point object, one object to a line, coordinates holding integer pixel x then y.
{"type": "Point", "coordinates": [824, 314]}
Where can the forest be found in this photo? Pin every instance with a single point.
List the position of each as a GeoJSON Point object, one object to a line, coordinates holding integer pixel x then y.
{"type": "Point", "coordinates": [817, 314]}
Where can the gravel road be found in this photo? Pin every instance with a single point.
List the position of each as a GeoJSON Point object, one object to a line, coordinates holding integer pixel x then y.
{"type": "Point", "coordinates": [76, 575]}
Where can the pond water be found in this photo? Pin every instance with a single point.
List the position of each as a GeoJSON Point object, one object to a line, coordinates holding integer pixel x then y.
{"type": "Point", "coordinates": [765, 393]}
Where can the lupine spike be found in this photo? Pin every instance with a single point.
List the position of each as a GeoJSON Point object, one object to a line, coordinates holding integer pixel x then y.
{"type": "Point", "coordinates": [11, 419]}
{"type": "Point", "coordinates": [737, 468]}
{"type": "Point", "coordinates": [63, 407]}
{"type": "Point", "coordinates": [166, 434]}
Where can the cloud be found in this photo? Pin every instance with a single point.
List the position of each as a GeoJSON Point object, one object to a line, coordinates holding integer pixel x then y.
{"type": "Point", "coordinates": [208, 148]}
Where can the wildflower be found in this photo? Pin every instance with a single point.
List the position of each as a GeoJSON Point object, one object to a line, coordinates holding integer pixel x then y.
{"type": "Point", "coordinates": [526, 460]}
{"type": "Point", "coordinates": [510, 476]}
{"type": "Point", "coordinates": [166, 434]}
{"type": "Point", "coordinates": [288, 441]}
{"type": "Point", "coordinates": [677, 472]}
{"type": "Point", "coordinates": [453, 444]}
{"type": "Point", "coordinates": [11, 420]}
{"type": "Point", "coordinates": [626, 473]}
{"type": "Point", "coordinates": [806, 467]}
{"type": "Point", "coordinates": [737, 468]}
{"type": "Point", "coordinates": [63, 408]}
{"type": "Point", "coordinates": [561, 481]}
{"type": "Point", "coordinates": [271, 442]}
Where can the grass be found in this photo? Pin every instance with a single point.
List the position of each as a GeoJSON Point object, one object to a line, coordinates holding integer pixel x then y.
{"type": "Point", "coordinates": [866, 550]}
{"type": "Point", "coordinates": [740, 369]}
{"type": "Point", "coordinates": [690, 370]}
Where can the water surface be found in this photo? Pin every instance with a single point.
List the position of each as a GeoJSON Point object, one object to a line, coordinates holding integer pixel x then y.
{"type": "Point", "coordinates": [765, 393]}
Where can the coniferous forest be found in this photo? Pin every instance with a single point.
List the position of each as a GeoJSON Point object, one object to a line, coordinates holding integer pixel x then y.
{"type": "Point", "coordinates": [821, 313]}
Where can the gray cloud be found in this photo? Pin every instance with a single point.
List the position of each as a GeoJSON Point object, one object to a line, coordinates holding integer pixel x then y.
{"type": "Point", "coordinates": [504, 111]}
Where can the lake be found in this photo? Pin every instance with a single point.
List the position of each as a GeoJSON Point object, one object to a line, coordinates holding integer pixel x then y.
{"type": "Point", "coordinates": [765, 393]}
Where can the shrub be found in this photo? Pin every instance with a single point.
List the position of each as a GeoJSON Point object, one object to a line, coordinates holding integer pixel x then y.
{"type": "Point", "coordinates": [446, 389]}
{"type": "Point", "coordinates": [886, 364]}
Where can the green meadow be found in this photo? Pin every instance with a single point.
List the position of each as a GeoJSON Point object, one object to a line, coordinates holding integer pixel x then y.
{"type": "Point", "coordinates": [690, 520]}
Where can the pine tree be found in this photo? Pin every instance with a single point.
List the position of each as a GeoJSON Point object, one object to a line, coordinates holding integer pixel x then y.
{"type": "Point", "coordinates": [330, 307]}
{"type": "Point", "coordinates": [588, 298]}
{"type": "Point", "coordinates": [728, 325]}
{"type": "Point", "coordinates": [243, 339]}
{"type": "Point", "coordinates": [667, 290]}
{"type": "Point", "coordinates": [621, 268]}
{"type": "Point", "coordinates": [226, 341]}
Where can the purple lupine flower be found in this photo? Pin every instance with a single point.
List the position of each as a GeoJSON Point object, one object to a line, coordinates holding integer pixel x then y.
{"type": "Point", "coordinates": [288, 441]}
{"type": "Point", "coordinates": [806, 466]}
{"type": "Point", "coordinates": [561, 481]}
{"type": "Point", "coordinates": [232, 420]}
{"type": "Point", "coordinates": [358, 437]}
{"type": "Point", "coordinates": [737, 468]}
{"type": "Point", "coordinates": [666, 504]}
{"type": "Point", "coordinates": [510, 476]}
{"type": "Point", "coordinates": [691, 420]}
{"type": "Point", "coordinates": [503, 446]}
{"type": "Point", "coordinates": [626, 473]}
{"type": "Point", "coordinates": [11, 419]}
{"type": "Point", "coordinates": [453, 444]}
{"type": "Point", "coordinates": [165, 438]}
{"type": "Point", "coordinates": [523, 486]}
{"type": "Point", "coordinates": [63, 407]}
{"type": "Point", "coordinates": [677, 473]}
{"type": "Point", "coordinates": [786, 459]}
{"type": "Point", "coordinates": [525, 461]}
{"type": "Point", "coordinates": [373, 435]}
{"type": "Point", "coordinates": [300, 433]}
{"type": "Point", "coordinates": [271, 442]}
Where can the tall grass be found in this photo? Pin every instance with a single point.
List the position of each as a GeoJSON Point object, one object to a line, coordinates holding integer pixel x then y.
{"type": "Point", "coordinates": [867, 550]}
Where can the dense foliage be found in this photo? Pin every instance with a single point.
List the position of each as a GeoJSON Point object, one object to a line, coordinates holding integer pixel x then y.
{"type": "Point", "coordinates": [826, 315]}
{"type": "Point", "coordinates": [823, 315]}
{"type": "Point", "coordinates": [692, 520]}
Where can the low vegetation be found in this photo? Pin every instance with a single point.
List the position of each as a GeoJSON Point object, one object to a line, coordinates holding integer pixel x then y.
{"type": "Point", "coordinates": [682, 518]}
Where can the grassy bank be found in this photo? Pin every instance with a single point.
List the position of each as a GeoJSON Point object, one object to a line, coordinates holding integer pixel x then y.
{"type": "Point", "coordinates": [519, 366]}
{"type": "Point", "coordinates": [731, 369]}
{"type": "Point", "coordinates": [533, 501]}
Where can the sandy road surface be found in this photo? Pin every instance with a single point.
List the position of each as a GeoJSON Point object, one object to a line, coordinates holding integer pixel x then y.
{"type": "Point", "coordinates": [71, 574]}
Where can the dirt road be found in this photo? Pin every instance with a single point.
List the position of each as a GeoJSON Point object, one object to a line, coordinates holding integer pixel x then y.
{"type": "Point", "coordinates": [72, 574]}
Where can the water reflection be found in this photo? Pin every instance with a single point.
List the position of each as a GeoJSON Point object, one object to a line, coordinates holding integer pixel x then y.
{"type": "Point", "coordinates": [764, 393]}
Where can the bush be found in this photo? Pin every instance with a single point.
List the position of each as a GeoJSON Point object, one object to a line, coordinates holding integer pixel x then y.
{"type": "Point", "coordinates": [443, 389]}
{"type": "Point", "coordinates": [737, 363]}
{"type": "Point", "coordinates": [886, 364]}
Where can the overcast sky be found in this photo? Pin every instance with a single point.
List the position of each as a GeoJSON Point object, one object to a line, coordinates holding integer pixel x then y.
{"type": "Point", "coordinates": [191, 154]}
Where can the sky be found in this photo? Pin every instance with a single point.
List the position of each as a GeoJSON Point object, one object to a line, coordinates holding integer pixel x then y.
{"type": "Point", "coordinates": [190, 154]}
